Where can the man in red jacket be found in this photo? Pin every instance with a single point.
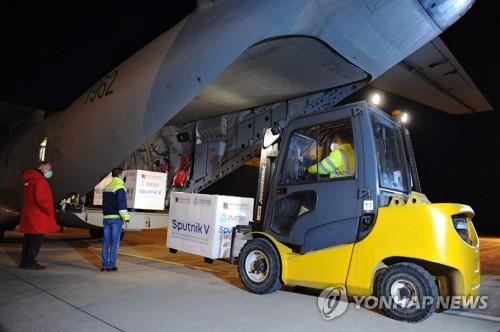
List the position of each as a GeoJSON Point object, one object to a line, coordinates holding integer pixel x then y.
{"type": "Point", "coordinates": [37, 215]}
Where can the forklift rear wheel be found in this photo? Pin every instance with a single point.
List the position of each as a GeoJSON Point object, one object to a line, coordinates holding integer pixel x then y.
{"type": "Point", "coordinates": [259, 267]}
{"type": "Point", "coordinates": [410, 290]}
{"type": "Point", "coordinates": [96, 233]}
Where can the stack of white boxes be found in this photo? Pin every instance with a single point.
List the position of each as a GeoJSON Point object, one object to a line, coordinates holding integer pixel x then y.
{"type": "Point", "coordinates": [202, 224]}
{"type": "Point", "coordinates": [146, 190]}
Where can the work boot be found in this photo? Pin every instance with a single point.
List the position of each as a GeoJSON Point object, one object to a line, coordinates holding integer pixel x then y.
{"type": "Point", "coordinates": [39, 267]}
{"type": "Point", "coordinates": [103, 269]}
{"type": "Point", "coordinates": [35, 266]}
{"type": "Point", "coordinates": [113, 269]}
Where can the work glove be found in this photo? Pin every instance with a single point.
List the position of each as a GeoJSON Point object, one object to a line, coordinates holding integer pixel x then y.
{"type": "Point", "coordinates": [302, 172]}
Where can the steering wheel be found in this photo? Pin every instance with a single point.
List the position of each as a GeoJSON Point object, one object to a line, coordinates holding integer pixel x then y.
{"type": "Point", "coordinates": [303, 174]}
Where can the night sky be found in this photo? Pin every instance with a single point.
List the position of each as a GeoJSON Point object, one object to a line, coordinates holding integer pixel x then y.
{"type": "Point", "coordinates": [51, 54]}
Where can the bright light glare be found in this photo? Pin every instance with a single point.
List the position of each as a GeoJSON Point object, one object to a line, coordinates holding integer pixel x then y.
{"type": "Point", "coordinates": [376, 99]}
{"type": "Point", "coordinates": [404, 117]}
{"type": "Point", "coordinates": [43, 148]}
{"type": "Point", "coordinates": [460, 4]}
{"type": "Point", "coordinates": [445, 12]}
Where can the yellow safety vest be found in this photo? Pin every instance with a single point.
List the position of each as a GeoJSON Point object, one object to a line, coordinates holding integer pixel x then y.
{"type": "Point", "coordinates": [340, 162]}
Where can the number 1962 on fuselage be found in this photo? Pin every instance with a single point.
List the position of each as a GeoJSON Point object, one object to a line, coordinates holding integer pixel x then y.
{"type": "Point", "coordinates": [104, 87]}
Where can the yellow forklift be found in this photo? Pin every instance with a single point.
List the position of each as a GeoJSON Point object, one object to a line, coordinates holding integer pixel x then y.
{"type": "Point", "coordinates": [366, 227]}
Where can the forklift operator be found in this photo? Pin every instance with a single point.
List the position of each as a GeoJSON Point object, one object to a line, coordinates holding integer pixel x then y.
{"type": "Point", "coordinates": [340, 161]}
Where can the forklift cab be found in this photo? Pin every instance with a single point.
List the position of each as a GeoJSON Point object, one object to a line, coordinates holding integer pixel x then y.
{"type": "Point", "coordinates": [323, 194]}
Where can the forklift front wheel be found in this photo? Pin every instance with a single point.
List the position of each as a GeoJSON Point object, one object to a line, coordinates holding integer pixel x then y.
{"type": "Point", "coordinates": [410, 290]}
{"type": "Point", "coordinates": [259, 267]}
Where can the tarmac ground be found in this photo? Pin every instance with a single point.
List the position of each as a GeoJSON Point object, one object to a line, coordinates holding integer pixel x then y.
{"type": "Point", "coordinates": [155, 290]}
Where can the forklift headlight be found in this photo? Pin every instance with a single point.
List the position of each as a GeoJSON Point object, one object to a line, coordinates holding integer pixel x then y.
{"type": "Point", "coordinates": [462, 227]}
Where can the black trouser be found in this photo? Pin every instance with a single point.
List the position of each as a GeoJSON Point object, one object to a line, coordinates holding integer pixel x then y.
{"type": "Point", "coordinates": [31, 247]}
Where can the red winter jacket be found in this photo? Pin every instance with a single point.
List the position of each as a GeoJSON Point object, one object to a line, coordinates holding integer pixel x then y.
{"type": "Point", "coordinates": [37, 214]}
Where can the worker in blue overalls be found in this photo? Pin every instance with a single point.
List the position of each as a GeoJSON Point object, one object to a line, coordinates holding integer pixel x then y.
{"type": "Point", "coordinates": [114, 209]}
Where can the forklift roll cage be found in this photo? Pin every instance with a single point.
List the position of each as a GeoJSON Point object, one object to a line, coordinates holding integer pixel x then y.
{"type": "Point", "coordinates": [342, 209]}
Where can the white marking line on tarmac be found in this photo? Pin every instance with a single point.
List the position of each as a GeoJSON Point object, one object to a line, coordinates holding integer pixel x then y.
{"type": "Point", "coordinates": [472, 315]}
{"type": "Point", "coordinates": [162, 261]}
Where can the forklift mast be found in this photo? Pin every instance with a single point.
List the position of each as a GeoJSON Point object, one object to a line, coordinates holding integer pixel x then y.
{"type": "Point", "coordinates": [268, 156]}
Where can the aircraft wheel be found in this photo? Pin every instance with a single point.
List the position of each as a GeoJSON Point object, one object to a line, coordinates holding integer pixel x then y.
{"type": "Point", "coordinates": [410, 290]}
{"type": "Point", "coordinates": [259, 267]}
{"type": "Point", "coordinates": [96, 233]}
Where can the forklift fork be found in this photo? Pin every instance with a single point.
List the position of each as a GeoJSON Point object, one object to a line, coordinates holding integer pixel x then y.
{"type": "Point", "coordinates": [237, 229]}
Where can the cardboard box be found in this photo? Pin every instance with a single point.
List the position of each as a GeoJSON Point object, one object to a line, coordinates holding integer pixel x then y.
{"type": "Point", "coordinates": [146, 190]}
{"type": "Point", "coordinates": [202, 224]}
